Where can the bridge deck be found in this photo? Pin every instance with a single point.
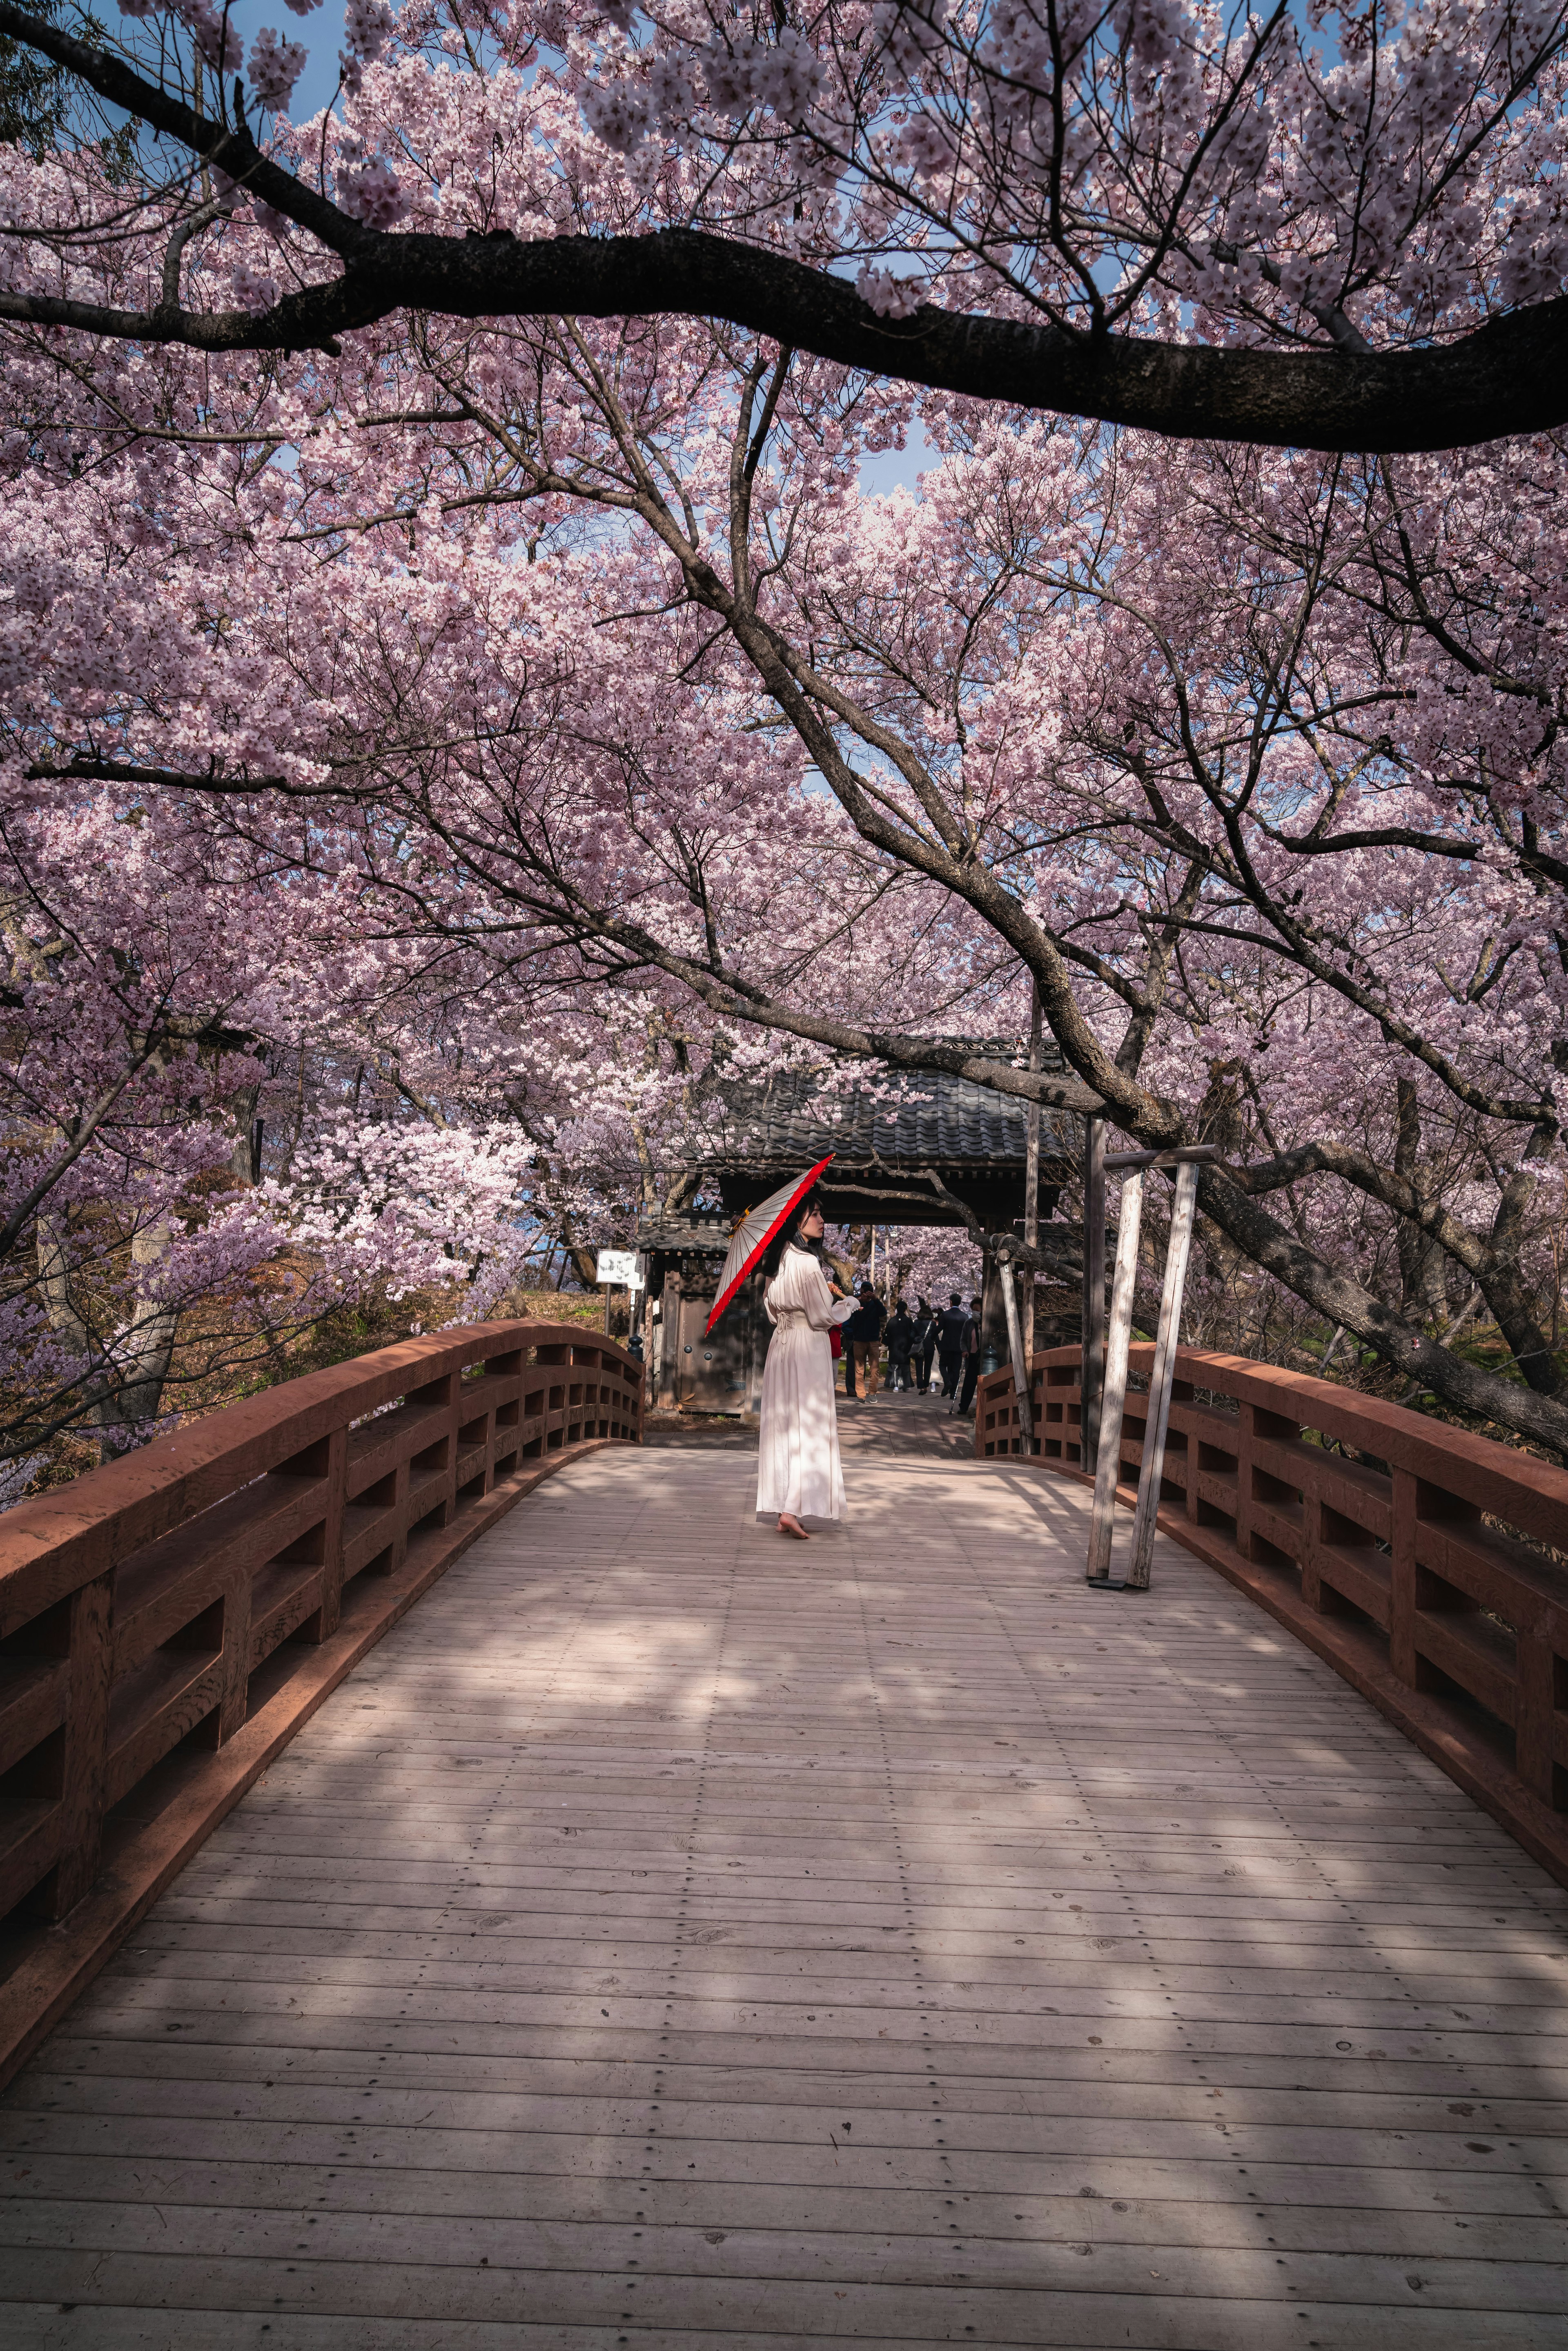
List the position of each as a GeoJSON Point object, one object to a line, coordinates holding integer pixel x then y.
{"type": "Point", "coordinates": [670, 1935]}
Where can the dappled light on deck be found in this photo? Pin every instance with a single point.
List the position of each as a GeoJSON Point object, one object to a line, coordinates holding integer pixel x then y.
{"type": "Point", "coordinates": [666, 1934]}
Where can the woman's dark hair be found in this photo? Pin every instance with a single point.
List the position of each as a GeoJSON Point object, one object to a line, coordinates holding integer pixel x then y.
{"type": "Point", "coordinates": [790, 1230]}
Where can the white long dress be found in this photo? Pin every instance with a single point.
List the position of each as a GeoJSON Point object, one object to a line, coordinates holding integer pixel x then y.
{"type": "Point", "coordinates": [798, 1448]}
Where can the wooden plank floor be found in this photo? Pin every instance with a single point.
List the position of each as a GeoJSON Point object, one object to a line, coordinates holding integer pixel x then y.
{"type": "Point", "coordinates": [673, 1936]}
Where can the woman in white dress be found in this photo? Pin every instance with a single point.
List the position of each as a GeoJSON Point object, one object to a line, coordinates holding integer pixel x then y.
{"type": "Point", "coordinates": [798, 1472]}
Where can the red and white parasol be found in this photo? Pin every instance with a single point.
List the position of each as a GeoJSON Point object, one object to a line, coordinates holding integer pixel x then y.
{"type": "Point", "coordinates": [754, 1232]}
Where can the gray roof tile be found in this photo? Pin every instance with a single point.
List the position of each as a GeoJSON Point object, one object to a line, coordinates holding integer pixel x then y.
{"type": "Point", "coordinates": [896, 1119]}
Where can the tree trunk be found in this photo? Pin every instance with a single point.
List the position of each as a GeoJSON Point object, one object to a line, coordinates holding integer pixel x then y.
{"type": "Point", "coordinates": [144, 1348]}
{"type": "Point", "coordinates": [1422, 1270]}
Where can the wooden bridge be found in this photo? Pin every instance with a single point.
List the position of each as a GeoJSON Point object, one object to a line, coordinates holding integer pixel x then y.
{"type": "Point", "coordinates": [664, 1935]}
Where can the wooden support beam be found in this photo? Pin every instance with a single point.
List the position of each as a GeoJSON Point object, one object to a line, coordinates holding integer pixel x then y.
{"type": "Point", "coordinates": [1186, 1155]}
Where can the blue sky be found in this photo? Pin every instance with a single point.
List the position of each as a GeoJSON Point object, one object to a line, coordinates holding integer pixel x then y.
{"type": "Point", "coordinates": [322, 35]}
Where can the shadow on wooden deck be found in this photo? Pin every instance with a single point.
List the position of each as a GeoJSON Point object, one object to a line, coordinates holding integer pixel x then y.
{"type": "Point", "coordinates": [670, 1936]}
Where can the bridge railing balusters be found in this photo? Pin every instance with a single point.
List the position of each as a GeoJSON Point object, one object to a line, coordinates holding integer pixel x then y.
{"type": "Point", "coordinates": [168, 1620]}
{"type": "Point", "coordinates": [1433, 1572]}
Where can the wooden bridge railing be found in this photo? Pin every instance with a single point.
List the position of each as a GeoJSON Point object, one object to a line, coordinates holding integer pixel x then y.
{"type": "Point", "coordinates": [168, 1621]}
{"type": "Point", "coordinates": [1416, 1558]}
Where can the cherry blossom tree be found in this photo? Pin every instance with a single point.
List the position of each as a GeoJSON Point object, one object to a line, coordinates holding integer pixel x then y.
{"type": "Point", "coordinates": [1088, 743]}
{"type": "Point", "coordinates": [194, 1171]}
{"type": "Point", "coordinates": [130, 1073]}
{"type": "Point", "coordinates": [1115, 699]}
{"type": "Point", "coordinates": [567, 662]}
{"type": "Point", "coordinates": [124, 579]}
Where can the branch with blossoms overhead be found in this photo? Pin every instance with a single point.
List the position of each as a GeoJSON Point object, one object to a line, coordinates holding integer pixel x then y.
{"type": "Point", "coordinates": [1145, 216]}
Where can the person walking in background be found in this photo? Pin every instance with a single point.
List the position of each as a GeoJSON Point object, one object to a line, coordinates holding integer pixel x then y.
{"type": "Point", "coordinates": [797, 1470]}
{"type": "Point", "coordinates": [971, 1351]}
{"type": "Point", "coordinates": [900, 1343]}
{"type": "Point", "coordinates": [950, 1345]}
{"type": "Point", "coordinates": [924, 1344]}
{"type": "Point", "coordinates": [852, 1334]}
{"type": "Point", "coordinates": [863, 1329]}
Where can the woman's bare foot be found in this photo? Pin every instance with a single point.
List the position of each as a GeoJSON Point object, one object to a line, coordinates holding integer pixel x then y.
{"type": "Point", "coordinates": [788, 1524]}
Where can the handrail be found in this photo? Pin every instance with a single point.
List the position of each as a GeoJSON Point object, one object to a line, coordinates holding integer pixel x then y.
{"type": "Point", "coordinates": [168, 1620]}
{"type": "Point", "coordinates": [1412, 1570]}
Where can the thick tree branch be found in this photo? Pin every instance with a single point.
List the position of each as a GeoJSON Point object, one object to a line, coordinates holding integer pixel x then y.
{"type": "Point", "coordinates": [1509, 375]}
{"type": "Point", "coordinates": [122, 771]}
{"type": "Point", "coordinates": [1339, 1297]}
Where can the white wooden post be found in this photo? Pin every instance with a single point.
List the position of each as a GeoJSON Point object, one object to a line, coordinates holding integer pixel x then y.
{"type": "Point", "coordinates": [1020, 1361]}
{"type": "Point", "coordinates": [1031, 1168]}
{"type": "Point", "coordinates": [1167, 1341]}
{"type": "Point", "coordinates": [1107, 1468]}
{"type": "Point", "coordinates": [1091, 1378]}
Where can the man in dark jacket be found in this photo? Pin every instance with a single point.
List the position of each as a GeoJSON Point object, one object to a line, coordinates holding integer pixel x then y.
{"type": "Point", "coordinates": [950, 1345]}
{"type": "Point", "coordinates": [924, 1345]}
{"type": "Point", "coordinates": [971, 1353]}
{"type": "Point", "coordinates": [900, 1346]}
{"type": "Point", "coordinates": [862, 1334]}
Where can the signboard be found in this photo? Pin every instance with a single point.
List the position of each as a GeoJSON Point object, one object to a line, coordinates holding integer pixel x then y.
{"type": "Point", "coordinates": [618, 1269]}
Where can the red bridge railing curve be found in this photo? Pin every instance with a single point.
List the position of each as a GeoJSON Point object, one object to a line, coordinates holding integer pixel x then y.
{"type": "Point", "coordinates": [168, 1621]}
{"type": "Point", "coordinates": [1429, 1566]}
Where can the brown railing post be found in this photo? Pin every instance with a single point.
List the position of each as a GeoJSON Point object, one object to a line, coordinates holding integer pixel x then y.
{"type": "Point", "coordinates": [332, 1531]}
{"type": "Point", "coordinates": [1402, 1655]}
{"type": "Point", "coordinates": [1244, 1437]}
{"type": "Point", "coordinates": [82, 1772]}
{"type": "Point", "coordinates": [508, 1367]}
{"type": "Point", "coordinates": [1539, 1672]}
{"type": "Point", "coordinates": [234, 1689]}
{"type": "Point", "coordinates": [321, 1466]}
{"type": "Point", "coordinates": [402, 1479]}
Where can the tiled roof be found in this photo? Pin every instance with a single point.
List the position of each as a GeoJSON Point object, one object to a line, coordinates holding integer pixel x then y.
{"type": "Point", "coordinates": [694, 1233]}
{"type": "Point", "coordinates": [900, 1119]}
